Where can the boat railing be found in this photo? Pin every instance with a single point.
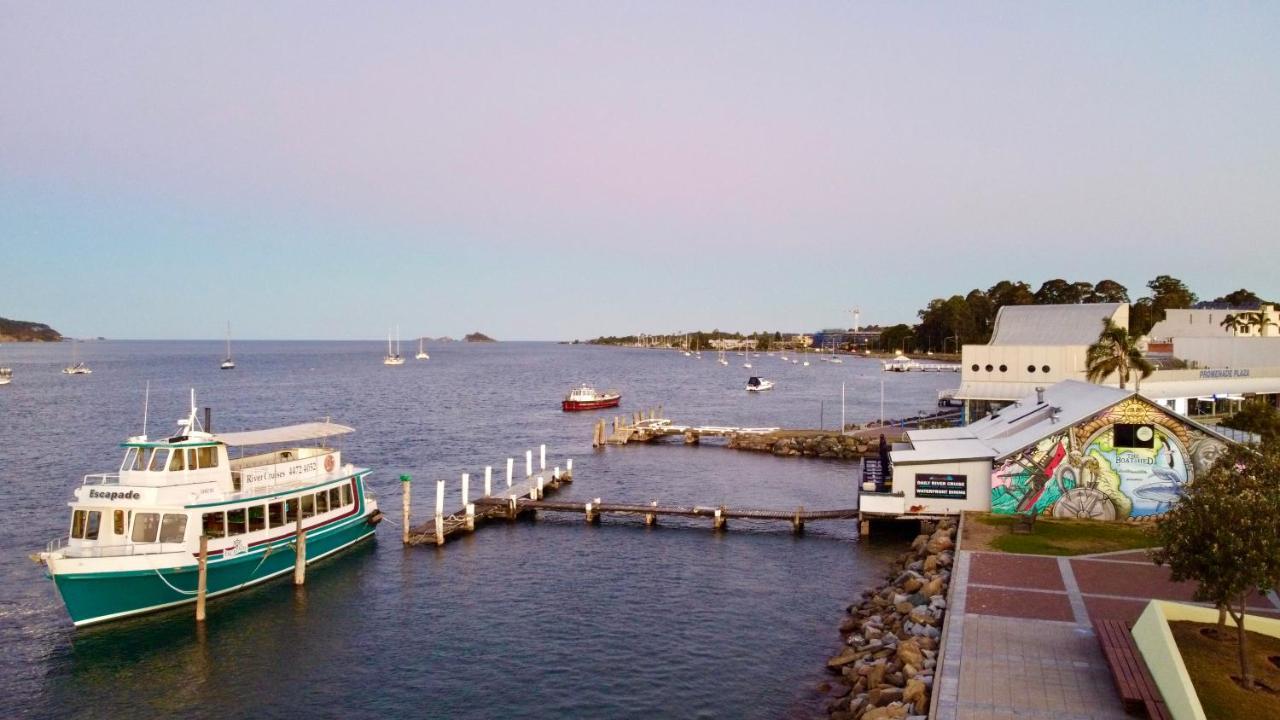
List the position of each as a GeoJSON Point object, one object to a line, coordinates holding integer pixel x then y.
{"type": "Point", "coordinates": [56, 544]}
{"type": "Point", "coordinates": [101, 479]}
{"type": "Point", "coordinates": [127, 550]}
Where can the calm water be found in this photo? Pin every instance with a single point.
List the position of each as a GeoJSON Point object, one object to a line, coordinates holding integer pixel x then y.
{"type": "Point", "coordinates": [548, 618]}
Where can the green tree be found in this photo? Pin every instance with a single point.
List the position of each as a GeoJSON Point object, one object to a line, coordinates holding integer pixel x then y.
{"type": "Point", "coordinates": [1115, 352]}
{"type": "Point", "coordinates": [1109, 291]}
{"type": "Point", "coordinates": [983, 313]}
{"type": "Point", "coordinates": [1007, 292]}
{"type": "Point", "coordinates": [1142, 317]}
{"type": "Point", "coordinates": [1169, 293]}
{"type": "Point", "coordinates": [892, 338]}
{"type": "Point", "coordinates": [1256, 416]}
{"type": "Point", "coordinates": [1224, 533]}
{"type": "Point", "coordinates": [1056, 292]}
{"type": "Point", "coordinates": [1239, 299]}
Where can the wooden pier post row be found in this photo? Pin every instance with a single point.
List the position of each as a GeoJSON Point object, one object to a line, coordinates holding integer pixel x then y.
{"type": "Point", "coordinates": [300, 548]}
{"type": "Point", "coordinates": [404, 486]}
{"type": "Point", "coordinates": [440, 512]}
{"type": "Point", "coordinates": [202, 580]}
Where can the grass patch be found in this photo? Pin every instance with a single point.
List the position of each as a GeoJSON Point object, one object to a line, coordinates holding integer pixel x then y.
{"type": "Point", "coordinates": [1057, 536]}
{"type": "Point", "coordinates": [1213, 663]}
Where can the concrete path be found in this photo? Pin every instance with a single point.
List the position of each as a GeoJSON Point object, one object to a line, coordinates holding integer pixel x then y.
{"type": "Point", "coordinates": [1020, 639]}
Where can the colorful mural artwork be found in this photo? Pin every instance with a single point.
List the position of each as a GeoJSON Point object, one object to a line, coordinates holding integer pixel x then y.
{"type": "Point", "coordinates": [1131, 460]}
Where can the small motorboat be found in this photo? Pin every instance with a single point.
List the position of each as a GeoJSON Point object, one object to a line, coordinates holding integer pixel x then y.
{"type": "Point", "coordinates": [6, 375]}
{"type": "Point", "coordinates": [755, 384]}
{"type": "Point", "coordinates": [588, 398]}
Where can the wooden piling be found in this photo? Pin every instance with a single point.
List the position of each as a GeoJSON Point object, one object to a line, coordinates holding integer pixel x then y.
{"type": "Point", "coordinates": [568, 466]}
{"type": "Point", "coordinates": [797, 523]}
{"type": "Point", "coordinates": [511, 469]}
{"type": "Point", "coordinates": [202, 580]}
{"type": "Point", "coordinates": [300, 549]}
{"type": "Point", "coordinates": [404, 488]}
{"type": "Point", "coordinates": [439, 512]}
{"type": "Point", "coordinates": [471, 517]}
{"type": "Point", "coordinates": [589, 513]}
{"type": "Point", "coordinates": [540, 486]}
{"type": "Point", "coordinates": [542, 457]}
{"type": "Point", "coordinates": [720, 522]}
{"type": "Point", "coordinates": [466, 489]}
{"type": "Point", "coordinates": [536, 490]}
{"type": "Point", "coordinates": [651, 518]}
{"type": "Point", "coordinates": [488, 480]}
{"type": "Point", "coordinates": [511, 508]}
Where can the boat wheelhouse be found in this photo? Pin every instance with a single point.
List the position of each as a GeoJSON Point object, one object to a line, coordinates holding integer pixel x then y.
{"type": "Point", "coordinates": [134, 538]}
{"type": "Point", "coordinates": [586, 397]}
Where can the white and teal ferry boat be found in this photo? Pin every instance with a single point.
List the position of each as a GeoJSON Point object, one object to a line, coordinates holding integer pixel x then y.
{"type": "Point", "coordinates": [134, 540]}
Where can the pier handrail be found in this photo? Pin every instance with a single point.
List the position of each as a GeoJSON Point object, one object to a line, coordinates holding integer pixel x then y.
{"type": "Point", "coordinates": [101, 479]}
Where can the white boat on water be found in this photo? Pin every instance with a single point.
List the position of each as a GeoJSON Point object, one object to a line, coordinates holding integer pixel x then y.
{"type": "Point", "coordinates": [6, 375]}
{"type": "Point", "coordinates": [755, 384]}
{"type": "Point", "coordinates": [722, 359]}
{"type": "Point", "coordinates": [76, 367]}
{"type": "Point", "coordinates": [228, 363]}
{"type": "Point", "coordinates": [393, 357]}
{"type": "Point", "coordinates": [134, 537]}
{"type": "Point", "coordinates": [422, 353]}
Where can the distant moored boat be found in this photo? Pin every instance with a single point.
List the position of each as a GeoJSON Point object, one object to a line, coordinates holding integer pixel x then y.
{"type": "Point", "coordinates": [588, 398]}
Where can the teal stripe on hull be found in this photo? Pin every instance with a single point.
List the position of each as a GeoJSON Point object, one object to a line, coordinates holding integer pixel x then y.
{"type": "Point", "coordinates": [96, 597]}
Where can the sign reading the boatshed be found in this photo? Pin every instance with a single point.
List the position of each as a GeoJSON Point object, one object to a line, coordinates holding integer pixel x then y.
{"type": "Point", "coordinates": [948, 487]}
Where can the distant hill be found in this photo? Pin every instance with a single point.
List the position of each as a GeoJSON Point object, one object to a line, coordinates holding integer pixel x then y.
{"type": "Point", "coordinates": [23, 331]}
{"type": "Point", "coordinates": [478, 337]}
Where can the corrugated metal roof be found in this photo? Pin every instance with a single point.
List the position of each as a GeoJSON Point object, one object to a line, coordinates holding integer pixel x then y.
{"type": "Point", "coordinates": [957, 449]}
{"type": "Point", "coordinates": [287, 434]}
{"type": "Point", "coordinates": [1052, 324]}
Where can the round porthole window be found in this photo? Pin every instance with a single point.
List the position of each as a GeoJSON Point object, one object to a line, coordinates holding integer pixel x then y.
{"type": "Point", "coordinates": [1031, 368]}
{"type": "Point", "coordinates": [975, 367]}
{"type": "Point", "coordinates": [1044, 368]}
{"type": "Point", "coordinates": [1145, 433]}
{"type": "Point", "coordinates": [1004, 368]}
{"type": "Point", "coordinates": [989, 368]}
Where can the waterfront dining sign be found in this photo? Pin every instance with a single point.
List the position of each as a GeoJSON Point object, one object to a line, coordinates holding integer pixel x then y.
{"type": "Point", "coordinates": [947, 487]}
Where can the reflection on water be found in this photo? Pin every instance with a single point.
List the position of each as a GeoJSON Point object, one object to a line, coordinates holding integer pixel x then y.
{"type": "Point", "coordinates": [538, 618]}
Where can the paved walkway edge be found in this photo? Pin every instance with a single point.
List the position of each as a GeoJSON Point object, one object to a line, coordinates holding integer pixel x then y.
{"type": "Point", "coordinates": [946, 690]}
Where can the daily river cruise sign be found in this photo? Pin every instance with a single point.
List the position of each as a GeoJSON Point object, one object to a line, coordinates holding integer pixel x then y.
{"type": "Point", "coordinates": [948, 487]}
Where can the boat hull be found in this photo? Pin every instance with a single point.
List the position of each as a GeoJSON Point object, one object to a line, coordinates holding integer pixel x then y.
{"type": "Point", "coordinates": [580, 405]}
{"type": "Point", "coordinates": [96, 597]}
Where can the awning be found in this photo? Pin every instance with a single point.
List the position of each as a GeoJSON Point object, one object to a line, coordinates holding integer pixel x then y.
{"type": "Point", "coordinates": [287, 434]}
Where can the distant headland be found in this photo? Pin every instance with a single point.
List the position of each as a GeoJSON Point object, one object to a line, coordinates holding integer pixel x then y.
{"type": "Point", "coordinates": [478, 337]}
{"type": "Point", "coordinates": [24, 331]}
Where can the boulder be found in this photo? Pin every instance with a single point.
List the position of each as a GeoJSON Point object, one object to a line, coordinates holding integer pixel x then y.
{"type": "Point", "coordinates": [844, 658]}
{"type": "Point", "coordinates": [909, 653]}
{"type": "Point", "coordinates": [915, 694]}
{"type": "Point", "coordinates": [890, 712]}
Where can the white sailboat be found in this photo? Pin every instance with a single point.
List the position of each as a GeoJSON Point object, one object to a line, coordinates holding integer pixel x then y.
{"type": "Point", "coordinates": [76, 367]}
{"type": "Point", "coordinates": [393, 358]}
{"type": "Point", "coordinates": [722, 359]}
{"type": "Point", "coordinates": [422, 353]}
{"type": "Point", "coordinates": [228, 363]}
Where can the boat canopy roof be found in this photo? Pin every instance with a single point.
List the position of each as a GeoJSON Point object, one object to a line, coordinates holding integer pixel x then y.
{"type": "Point", "coordinates": [289, 433]}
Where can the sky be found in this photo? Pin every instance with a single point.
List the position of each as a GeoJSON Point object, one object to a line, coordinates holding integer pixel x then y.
{"type": "Point", "coordinates": [560, 170]}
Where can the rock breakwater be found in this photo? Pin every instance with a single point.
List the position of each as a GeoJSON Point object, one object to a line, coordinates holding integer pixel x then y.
{"type": "Point", "coordinates": [892, 636]}
{"type": "Point", "coordinates": [831, 445]}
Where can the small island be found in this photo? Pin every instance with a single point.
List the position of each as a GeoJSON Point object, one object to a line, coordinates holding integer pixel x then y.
{"type": "Point", "coordinates": [25, 331]}
{"type": "Point", "coordinates": [478, 337]}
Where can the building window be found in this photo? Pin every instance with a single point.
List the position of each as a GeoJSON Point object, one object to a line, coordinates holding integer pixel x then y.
{"type": "Point", "coordinates": [1133, 435]}
{"type": "Point", "coordinates": [989, 368]}
{"type": "Point", "coordinates": [1031, 368]}
{"type": "Point", "coordinates": [974, 367]}
{"type": "Point", "coordinates": [1004, 368]}
{"type": "Point", "coordinates": [1044, 368]}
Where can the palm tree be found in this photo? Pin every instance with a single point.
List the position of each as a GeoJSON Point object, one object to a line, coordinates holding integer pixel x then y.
{"type": "Point", "coordinates": [1115, 352]}
{"type": "Point", "coordinates": [1237, 322]}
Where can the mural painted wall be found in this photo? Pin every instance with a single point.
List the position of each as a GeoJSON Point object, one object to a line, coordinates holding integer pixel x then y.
{"type": "Point", "coordinates": [1083, 471]}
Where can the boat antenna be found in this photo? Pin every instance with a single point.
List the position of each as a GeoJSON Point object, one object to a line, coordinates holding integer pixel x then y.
{"type": "Point", "coordinates": [146, 405]}
{"type": "Point", "coordinates": [193, 420]}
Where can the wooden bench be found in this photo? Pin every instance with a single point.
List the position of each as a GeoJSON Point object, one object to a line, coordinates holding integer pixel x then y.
{"type": "Point", "coordinates": [1138, 690]}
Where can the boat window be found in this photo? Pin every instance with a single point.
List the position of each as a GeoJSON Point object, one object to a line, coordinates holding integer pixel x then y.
{"type": "Point", "coordinates": [91, 525]}
{"type": "Point", "coordinates": [207, 457]}
{"type": "Point", "coordinates": [291, 510]}
{"type": "Point", "coordinates": [346, 494]}
{"type": "Point", "coordinates": [322, 501]}
{"type": "Point", "coordinates": [191, 459]}
{"type": "Point", "coordinates": [335, 498]}
{"type": "Point", "coordinates": [145, 527]}
{"type": "Point", "coordinates": [178, 460]}
{"type": "Point", "coordinates": [173, 529]}
{"type": "Point", "coordinates": [215, 524]}
{"type": "Point", "coordinates": [77, 524]}
{"type": "Point", "coordinates": [131, 460]}
{"type": "Point", "coordinates": [235, 522]}
{"type": "Point", "coordinates": [308, 505]}
{"type": "Point", "coordinates": [257, 518]}
{"type": "Point", "coordinates": [275, 514]}
{"type": "Point", "coordinates": [118, 525]}
{"type": "Point", "coordinates": [159, 457]}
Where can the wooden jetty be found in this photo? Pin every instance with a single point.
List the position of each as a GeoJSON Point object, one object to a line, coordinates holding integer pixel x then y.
{"type": "Point", "coordinates": [489, 505]}
{"type": "Point", "coordinates": [649, 425]}
{"type": "Point", "coordinates": [592, 510]}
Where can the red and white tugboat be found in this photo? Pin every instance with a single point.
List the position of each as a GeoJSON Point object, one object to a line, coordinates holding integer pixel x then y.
{"type": "Point", "coordinates": [588, 398]}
